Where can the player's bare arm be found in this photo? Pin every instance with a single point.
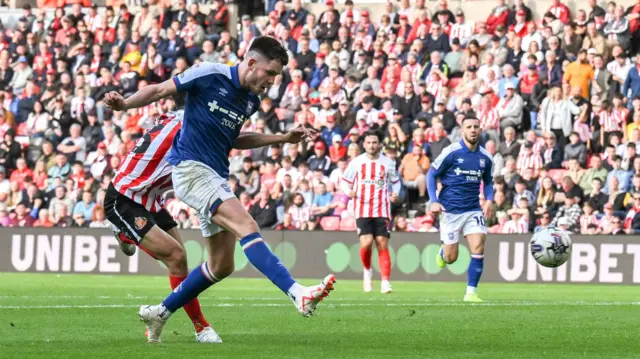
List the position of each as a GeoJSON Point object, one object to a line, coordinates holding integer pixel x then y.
{"type": "Point", "coordinates": [248, 140]}
{"type": "Point", "coordinates": [146, 96]}
{"type": "Point", "coordinates": [488, 205]}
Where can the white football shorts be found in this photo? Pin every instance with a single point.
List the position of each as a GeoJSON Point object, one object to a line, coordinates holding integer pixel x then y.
{"type": "Point", "coordinates": [452, 225]}
{"type": "Point", "coordinates": [202, 189]}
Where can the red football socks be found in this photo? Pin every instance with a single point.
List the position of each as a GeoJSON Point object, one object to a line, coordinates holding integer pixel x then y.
{"type": "Point", "coordinates": [385, 264]}
{"type": "Point", "coordinates": [192, 308]}
{"type": "Point", "coordinates": [365, 256]}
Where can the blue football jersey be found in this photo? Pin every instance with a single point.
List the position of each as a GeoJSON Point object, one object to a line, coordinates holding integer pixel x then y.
{"type": "Point", "coordinates": [461, 171]}
{"type": "Point", "coordinates": [216, 108]}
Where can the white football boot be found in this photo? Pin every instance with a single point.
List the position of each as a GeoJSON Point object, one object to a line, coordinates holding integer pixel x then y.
{"type": "Point", "coordinates": [367, 285]}
{"type": "Point", "coordinates": [309, 298]}
{"type": "Point", "coordinates": [208, 335]}
{"type": "Point", "coordinates": [154, 316]}
{"type": "Point", "coordinates": [385, 287]}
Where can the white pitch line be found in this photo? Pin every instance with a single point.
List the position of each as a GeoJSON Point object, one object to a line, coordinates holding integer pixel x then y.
{"type": "Point", "coordinates": [419, 304]}
{"type": "Point", "coordinates": [375, 301]}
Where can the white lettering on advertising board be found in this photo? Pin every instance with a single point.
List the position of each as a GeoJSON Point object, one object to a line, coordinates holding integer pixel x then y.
{"type": "Point", "coordinates": [81, 254]}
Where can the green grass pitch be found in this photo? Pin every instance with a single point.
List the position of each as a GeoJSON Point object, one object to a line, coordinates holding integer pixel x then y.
{"type": "Point", "coordinates": [84, 316]}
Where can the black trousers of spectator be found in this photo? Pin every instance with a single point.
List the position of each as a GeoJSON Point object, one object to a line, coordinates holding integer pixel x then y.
{"type": "Point", "coordinates": [561, 139]}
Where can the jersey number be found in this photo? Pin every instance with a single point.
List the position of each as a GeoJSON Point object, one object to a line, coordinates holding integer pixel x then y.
{"type": "Point", "coordinates": [144, 141]}
{"type": "Point", "coordinates": [479, 220]}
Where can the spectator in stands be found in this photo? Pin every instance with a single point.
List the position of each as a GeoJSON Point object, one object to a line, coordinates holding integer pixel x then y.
{"type": "Point", "coordinates": [320, 160]}
{"type": "Point", "coordinates": [9, 150]}
{"type": "Point", "coordinates": [596, 198]}
{"type": "Point", "coordinates": [321, 206]}
{"type": "Point", "coordinates": [570, 211]}
{"type": "Point", "coordinates": [596, 170]}
{"type": "Point", "coordinates": [510, 108]}
{"type": "Point", "coordinates": [264, 210]}
{"type": "Point", "coordinates": [624, 177]}
{"type": "Point", "coordinates": [249, 178]}
{"type": "Point", "coordinates": [575, 150]}
{"type": "Point", "coordinates": [413, 170]}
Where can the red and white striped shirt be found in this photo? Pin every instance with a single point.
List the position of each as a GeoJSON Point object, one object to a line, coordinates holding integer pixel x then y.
{"type": "Point", "coordinates": [533, 161]}
{"type": "Point", "coordinates": [489, 119]}
{"type": "Point", "coordinates": [620, 115]}
{"type": "Point", "coordinates": [538, 145]}
{"type": "Point", "coordinates": [515, 227]}
{"type": "Point", "coordinates": [145, 175]}
{"type": "Point", "coordinates": [462, 31]}
{"type": "Point", "coordinates": [299, 215]}
{"type": "Point", "coordinates": [415, 70]}
{"type": "Point", "coordinates": [610, 121]}
{"type": "Point", "coordinates": [434, 87]}
{"type": "Point", "coordinates": [561, 11]}
{"type": "Point", "coordinates": [276, 29]}
{"type": "Point", "coordinates": [370, 178]}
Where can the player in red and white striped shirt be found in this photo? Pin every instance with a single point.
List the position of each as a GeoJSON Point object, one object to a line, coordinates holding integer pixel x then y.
{"type": "Point", "coordinates": [133, 206]}
{"type": "Point", "coordinates": [145, 175]}
{"type": "Point", "coordinates": [367, 180]}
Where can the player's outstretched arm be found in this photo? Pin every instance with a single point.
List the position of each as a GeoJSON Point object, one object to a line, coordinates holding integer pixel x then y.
{"type": "Point", "coordinates": [248, 140]}
{"type": "Point", "coordinates": [147, 95]}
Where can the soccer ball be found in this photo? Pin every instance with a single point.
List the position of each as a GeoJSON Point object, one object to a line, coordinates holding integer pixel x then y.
{"type": "Point", "coordinates": [550, 246]}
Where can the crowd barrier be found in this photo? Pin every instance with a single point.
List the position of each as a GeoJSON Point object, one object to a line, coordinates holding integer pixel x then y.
{"type": "Point", "coordinates": [594, 259]}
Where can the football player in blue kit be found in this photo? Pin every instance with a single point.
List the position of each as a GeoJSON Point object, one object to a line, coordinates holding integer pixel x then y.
{"type": "Point", "coordinates": [461, 168]}
{"type": "Point", "coordinates": [219, 99]}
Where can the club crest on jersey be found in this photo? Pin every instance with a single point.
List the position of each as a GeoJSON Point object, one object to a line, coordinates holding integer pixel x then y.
{"type": "Point", "coordinates": [482, 163]}
{"type": "Point", "coordinates": [140, 222]}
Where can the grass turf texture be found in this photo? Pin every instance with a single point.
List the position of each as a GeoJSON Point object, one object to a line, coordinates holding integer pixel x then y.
{"type": "Point", "coordinates": [74, 316]}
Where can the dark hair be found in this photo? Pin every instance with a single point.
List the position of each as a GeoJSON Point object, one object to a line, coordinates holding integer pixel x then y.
{"type": "Point", "coordinates": [270, 48]}
{"type": "Point", "coordinates": [376, 133]}
{"type": "Point", "coordinates": [470, 118]}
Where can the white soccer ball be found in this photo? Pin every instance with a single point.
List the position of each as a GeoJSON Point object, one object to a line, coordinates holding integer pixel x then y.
{"type": "Point", "coordinates": [550, 246]}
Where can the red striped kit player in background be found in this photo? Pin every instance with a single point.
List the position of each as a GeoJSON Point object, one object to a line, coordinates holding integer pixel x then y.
{"type": "Point", "coordinates": [367, 180]}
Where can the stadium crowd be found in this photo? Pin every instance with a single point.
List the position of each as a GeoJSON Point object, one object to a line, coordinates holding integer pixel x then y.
{"type": "Point", "coordinates": [558, 99]}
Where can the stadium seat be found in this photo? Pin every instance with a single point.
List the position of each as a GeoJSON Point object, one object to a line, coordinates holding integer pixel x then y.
{"type": "Point", "coordinates": [557, 175]}
{"type": "Point", "coordinates": [330, 223]}
{"type": "Point", "coordinates": [348, 224]}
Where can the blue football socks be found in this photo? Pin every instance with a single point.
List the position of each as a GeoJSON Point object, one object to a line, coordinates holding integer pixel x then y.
{"type": "Point", "coordinates": [196, 282]}
{"type": "Point", "coordinates": [474, 272]}
{"type": "Point", "coordinates": [266, 262]}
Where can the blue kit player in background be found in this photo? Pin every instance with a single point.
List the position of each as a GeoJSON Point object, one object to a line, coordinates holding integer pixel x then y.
{"type": "Point", "coordinates": [219, 99]}
{"type": "Point", "coordinates": [461, 167]}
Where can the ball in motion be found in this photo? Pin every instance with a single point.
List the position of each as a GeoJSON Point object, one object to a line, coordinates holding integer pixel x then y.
{"type": "Point", "coordinates": [550, 246]}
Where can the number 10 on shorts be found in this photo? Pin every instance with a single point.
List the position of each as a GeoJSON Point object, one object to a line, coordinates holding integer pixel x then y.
{"type": "Point", "coordinates": [479, 220]}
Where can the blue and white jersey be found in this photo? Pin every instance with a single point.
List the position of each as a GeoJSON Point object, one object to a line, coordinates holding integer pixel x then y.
{"type": "Point", "coordinates": [216, 108]}
{"type": "Point", "coordinates": [460, 171]}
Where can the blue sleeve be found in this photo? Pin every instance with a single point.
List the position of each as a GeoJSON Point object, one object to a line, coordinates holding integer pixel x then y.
{"type": "Point", "coordinates": [191, 77]}
{"type": "Point", "coordinates": [432, 186]}
{"type": "Point", "coordinates": [487, 179]}
{"type": "Point", "coordinates": [438, 168]}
